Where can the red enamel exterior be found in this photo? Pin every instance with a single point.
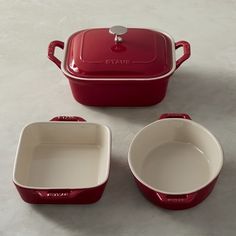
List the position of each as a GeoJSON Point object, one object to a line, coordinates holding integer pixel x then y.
{"type": "Point", "coordinates": [176, 201]}
{"type": "Point", "coordinates": [143, 53]}
{"type": "Point", "coordinates": [62, 196]}
{"type": "Point", "coordinates": [133, 73]}
{"type": "Point", "coordinates": [119, 93]}
{"type": "Point", "coordinates": [175, 115]}
{"type": "Point", "coordinates": [68, 118]}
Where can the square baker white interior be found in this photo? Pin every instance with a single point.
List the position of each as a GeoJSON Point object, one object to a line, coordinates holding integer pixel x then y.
{"type": "Point", "coordinates": [63, 155]}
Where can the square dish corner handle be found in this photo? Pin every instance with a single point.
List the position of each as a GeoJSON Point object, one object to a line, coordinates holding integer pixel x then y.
{"type": "Point", "coordinates": [68, 118]}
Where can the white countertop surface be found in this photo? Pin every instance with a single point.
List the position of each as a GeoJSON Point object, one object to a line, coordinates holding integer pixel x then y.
{"type": "Point", "coordinates": [33, 89]}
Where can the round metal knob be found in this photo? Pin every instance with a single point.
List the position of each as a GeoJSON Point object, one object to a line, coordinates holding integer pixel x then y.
{"type": "Point", "coordinates": [118, 30]}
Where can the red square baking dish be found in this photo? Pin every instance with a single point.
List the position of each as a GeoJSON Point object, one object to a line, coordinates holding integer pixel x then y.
{"type": "Point", "coordinates": [65, 162]}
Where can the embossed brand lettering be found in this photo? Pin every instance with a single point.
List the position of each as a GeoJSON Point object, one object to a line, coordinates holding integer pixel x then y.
{"type": "Point", "coordinates": [117, 61]}
{"type": "Point", "coordinates": [57, 194]}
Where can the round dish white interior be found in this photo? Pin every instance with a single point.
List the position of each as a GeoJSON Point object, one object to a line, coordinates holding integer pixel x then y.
{"type": "Point", "coordinates": [62, 155]}
{"type": "Point", "coordinates": [175, 156]}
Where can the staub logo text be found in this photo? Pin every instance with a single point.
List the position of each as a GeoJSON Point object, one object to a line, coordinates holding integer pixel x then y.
{"type": "Point", "coordinates": [117, 62]}
{"type": "Point", "coordinates": [57, 194]}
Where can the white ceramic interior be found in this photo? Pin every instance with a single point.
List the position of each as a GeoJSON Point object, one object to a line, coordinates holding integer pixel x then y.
{"type": "Point", "coordinates": [175, 156]}
{"type": "Point", "coordinates": [62, 155]}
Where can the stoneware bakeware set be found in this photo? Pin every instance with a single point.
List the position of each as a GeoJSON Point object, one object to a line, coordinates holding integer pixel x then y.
{"type": "Point", "coordinates": [174, 160]}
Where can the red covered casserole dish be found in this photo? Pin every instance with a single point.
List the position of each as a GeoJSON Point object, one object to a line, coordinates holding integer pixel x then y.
{"type": "Point", "coordinates": [119, 66]}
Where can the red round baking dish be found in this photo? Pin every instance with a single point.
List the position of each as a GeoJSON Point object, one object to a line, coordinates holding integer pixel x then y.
{"type": "Point", "coordinates": [175, 161]}
{"type": "Point", "coordinates": [119, 66]}
{"type": "Point", "coordinates": [64, 161]}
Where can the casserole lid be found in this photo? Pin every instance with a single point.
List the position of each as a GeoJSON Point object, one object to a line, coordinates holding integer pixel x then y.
{"type": "Point", "coordinates": [119, 53]}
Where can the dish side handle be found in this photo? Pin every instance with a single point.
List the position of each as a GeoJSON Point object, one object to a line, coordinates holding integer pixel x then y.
{"type": "Point", "coordinates": [187, 52]}
{"type": "Point", "coordinates": [175, 115]}
{"type": "Point", "coordinates": [68, 118]}
{"type": "Point", "coordinates": [51, 51]}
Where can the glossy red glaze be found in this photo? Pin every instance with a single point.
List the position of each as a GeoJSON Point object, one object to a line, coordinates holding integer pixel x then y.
{"type": "Point", "coordinates": [51, 50]}
{"type": "Point", "coordinates": [61, 196]}
{"type": "Point", "coordinates": [186, 55]}
{"type": "Point", "coordinates": [119, 93]}
{"type": "Point", "coordinates": [68, 118]}
{"type": "Point", "coordinates": [143, 53]}
{"type": "Point", "coordinates": [176, 202]}
{"type": "Point", "coordinates": [132, 73]}
{"type": "Point", "coordinates": [175, 115]}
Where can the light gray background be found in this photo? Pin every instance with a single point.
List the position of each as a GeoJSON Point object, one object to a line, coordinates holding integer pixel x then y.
{"type": "Point", "coordinates": [33, 89]}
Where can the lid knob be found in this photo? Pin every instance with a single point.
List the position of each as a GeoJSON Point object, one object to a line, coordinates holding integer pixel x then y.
{"type": "Point", "coordinates": [118, 30]}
